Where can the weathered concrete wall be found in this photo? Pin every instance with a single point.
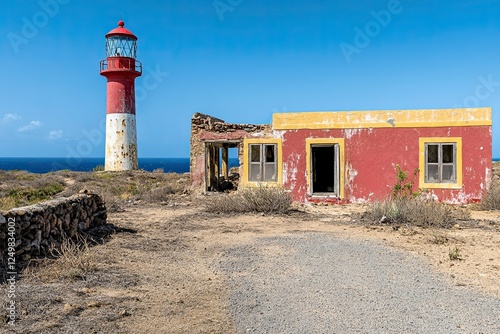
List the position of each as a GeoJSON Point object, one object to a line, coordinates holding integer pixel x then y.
{"type": "Point", "coordinates": [39, 226]}
{"type": "Point", "coordinates": [207, 128]}
{"type": "Point", "coordinates": [371, 155]}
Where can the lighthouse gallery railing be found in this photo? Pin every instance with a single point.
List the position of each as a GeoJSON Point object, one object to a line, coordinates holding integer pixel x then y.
{"type": "Point", "coordinates": [121, 63]}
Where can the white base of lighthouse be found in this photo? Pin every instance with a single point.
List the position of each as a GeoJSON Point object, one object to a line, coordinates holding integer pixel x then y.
{"type": "Point", "coordinates": [121, 143]}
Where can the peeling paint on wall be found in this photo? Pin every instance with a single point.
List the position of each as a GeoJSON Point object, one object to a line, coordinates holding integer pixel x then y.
{"type": "Point", "coordinates": [373, 146]}
{"type": "Point", "coordinates": [349, 133]}
{"type": "Point", "coordinates": [121, 142]}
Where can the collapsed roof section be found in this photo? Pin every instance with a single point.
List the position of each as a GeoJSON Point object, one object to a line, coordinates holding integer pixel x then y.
{"type": "Point", "coordinates": [211, 138]}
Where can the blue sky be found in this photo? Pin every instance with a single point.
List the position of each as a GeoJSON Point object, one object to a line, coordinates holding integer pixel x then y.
{"type": "Point", "coordinates": [239, 60]}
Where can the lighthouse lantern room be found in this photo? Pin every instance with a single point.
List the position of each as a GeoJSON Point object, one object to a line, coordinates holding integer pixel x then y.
{"type": "Point", "coordinates": [120, 69]}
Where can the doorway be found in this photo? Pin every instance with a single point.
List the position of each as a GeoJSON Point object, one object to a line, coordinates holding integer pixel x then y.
{"type": "Point", "coordinates": [221, 157]}
{"type": "Point", "coordinates": [325, 169]}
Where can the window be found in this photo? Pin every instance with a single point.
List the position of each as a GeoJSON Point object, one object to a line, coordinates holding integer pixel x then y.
{"type": "Point", "coordinates": [441, 162]}
{"type": "Point", "coordinates": [440, 166]}
{"type": "Point", "coordinates": [121, 46]}
{"type": "Point", "coordinates": [263, 162]}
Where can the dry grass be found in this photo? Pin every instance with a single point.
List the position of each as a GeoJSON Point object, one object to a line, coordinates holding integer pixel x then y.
{"type": "Point", "coordinates": [161, 194]}
{"type": "Point", "coordinates": [72, 260]}
{"type": "Point", "coordinates": [415, 212]}
{"type": "Point", "coordinates": [261, 199]}
{"type": "Point", "coordinates": [491, 200]}
{"type": "Point", "coordinates": [455, 254]}
{"type": "Point", "coordinates": [20, 188]}
{"type": "Point", "coordinates": [438, 238]}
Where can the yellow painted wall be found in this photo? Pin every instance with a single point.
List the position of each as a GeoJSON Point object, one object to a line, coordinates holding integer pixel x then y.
{"type": "Point", "coordinates": [382, 119]}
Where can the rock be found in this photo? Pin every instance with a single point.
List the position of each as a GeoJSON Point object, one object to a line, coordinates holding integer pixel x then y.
{"type": "Point", "coordinates": [125, 313]}
{"type": "Point", "coordinates": [37, 240]}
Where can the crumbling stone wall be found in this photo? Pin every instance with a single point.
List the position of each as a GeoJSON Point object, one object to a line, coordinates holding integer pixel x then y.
{"type": "Point", "coordinates": [39, 226]}
{"type": "Point", "coordinates": [207, 128]}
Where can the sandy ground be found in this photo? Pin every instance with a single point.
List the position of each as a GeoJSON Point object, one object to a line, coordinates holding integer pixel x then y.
{"type": "Point", "coordinates": [161, 274]}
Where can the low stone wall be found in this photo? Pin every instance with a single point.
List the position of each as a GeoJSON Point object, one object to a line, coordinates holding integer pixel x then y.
{"type": "Point", "coordinates": [35, 228]}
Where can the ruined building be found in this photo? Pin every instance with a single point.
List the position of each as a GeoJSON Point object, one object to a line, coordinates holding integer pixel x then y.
{"type": "Point", "coordinates": [349, 156]}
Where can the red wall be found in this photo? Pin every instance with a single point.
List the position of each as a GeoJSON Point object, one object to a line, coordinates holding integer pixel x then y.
{"type": "Point", "coordinates": [371, 154]}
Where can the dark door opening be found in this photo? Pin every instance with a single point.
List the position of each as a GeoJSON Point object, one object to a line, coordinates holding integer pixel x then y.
{"type": "Point", "coordinates": [324, 169]}
{"type": "Point", "coordinates": [219, 174]}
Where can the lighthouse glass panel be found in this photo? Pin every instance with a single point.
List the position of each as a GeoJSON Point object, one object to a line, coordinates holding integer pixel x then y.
{"type": "Point", "coordinates": [121, 46]}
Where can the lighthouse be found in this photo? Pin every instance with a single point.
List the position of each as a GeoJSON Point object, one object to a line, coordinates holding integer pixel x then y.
{"type": "Point", "coordinates": [120, 69]}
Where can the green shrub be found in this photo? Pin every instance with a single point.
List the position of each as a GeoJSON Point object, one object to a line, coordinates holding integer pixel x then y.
{"type": "Point", "coordinates": [26, 196]}
{"type": "Point", "coordinates": [261, 199]}
{"type": "Point", "coordinates": [404, 186]}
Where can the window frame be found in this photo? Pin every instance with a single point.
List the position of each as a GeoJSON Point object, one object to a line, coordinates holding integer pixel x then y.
{"type": "Point", "coordinates": [247, 161]}
{"type": "Point", "coordinates": [424, 165]}
{"type": "Point", "coordinates": [263, 163]}
{"type": "Point", "coordinates": [310, 143]}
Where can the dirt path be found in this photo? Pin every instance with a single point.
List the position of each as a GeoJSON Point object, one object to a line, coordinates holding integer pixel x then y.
{"type": "Point", "coordinates": [166, 277]}
{"type": "Point", "coordinates": [315, 282]}
{"type": "Point", "coordinates": [179, 291]}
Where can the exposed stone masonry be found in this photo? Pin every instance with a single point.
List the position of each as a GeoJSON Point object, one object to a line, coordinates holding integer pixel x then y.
{"type": "Point", "coordinates": [39, 226]}
{"type": "Point", "coordinates": [207, 129]}
{"type": "Point", "coordinates": [212, 124]}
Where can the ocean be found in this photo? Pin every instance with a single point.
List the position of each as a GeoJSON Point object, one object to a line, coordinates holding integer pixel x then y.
{"type": "Point", "coordinates": [45, 165]}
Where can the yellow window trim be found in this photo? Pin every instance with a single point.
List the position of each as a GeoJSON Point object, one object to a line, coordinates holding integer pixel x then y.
{"type": "Point", "coordinates": [332, 141]}
{"type": "Point", "coordinates": [452, 140]}
{"type": "Point", "coordinates": [246, 163]}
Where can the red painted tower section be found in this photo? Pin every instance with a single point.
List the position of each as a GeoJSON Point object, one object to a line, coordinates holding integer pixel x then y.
{"type": "Point", "coordinates": [120, 69]}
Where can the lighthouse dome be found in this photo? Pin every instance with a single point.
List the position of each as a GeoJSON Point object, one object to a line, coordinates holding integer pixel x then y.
{"type": "Point", "coordinates": [121, 31]}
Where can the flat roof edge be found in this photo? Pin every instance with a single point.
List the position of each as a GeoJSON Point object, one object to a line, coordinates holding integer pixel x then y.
{"type": "Point", "coordinates": [383, 118]}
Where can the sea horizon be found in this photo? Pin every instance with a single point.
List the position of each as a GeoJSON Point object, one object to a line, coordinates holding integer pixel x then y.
{"type": "Point", "coordinates": [41, 165]}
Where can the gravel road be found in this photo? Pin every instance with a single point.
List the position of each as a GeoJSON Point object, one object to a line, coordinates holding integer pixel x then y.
{"type": "Point", "coordinates": [309, 282]}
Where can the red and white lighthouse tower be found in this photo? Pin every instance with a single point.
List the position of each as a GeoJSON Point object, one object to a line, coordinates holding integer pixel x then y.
{"type": "Point", "coordinates": [121, 68]}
